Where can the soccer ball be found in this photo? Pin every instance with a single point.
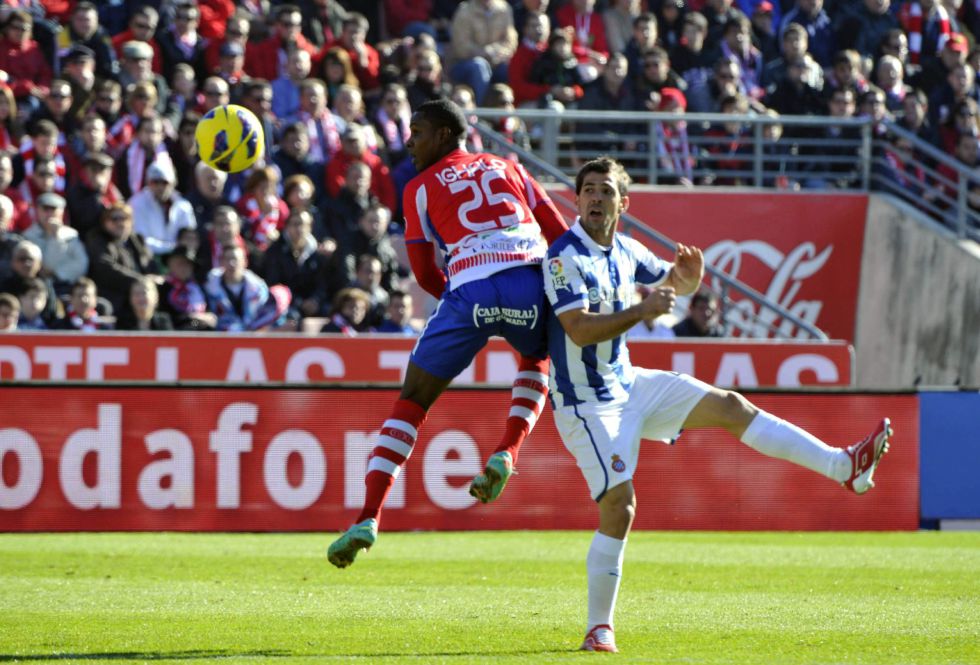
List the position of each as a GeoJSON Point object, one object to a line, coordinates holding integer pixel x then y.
{"type": "Point", "coordinates": [229, 138]}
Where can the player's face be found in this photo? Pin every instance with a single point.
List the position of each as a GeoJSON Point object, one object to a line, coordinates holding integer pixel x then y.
{"type": "Point", "coordinates": [600, 204]}
{"type": "Point", "coordinates": [426, 144]}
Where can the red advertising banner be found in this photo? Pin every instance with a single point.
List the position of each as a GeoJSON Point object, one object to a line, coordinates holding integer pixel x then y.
{"type": "Point", "coordinates": [305, 359]}
{"type": "Point", "coordinates": [802, 250]}
{"type": "Point", "coordinates": [191, 459]}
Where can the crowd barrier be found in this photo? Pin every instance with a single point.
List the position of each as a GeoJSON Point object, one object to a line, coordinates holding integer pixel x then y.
{"type": "Point", "coordinates": [155, 457]}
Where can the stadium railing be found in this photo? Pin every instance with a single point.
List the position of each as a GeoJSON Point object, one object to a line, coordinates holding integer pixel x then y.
{"type": "Point", "coordinates": [756, 151]}
{"type": "Point", "coordinates": [747, 322]}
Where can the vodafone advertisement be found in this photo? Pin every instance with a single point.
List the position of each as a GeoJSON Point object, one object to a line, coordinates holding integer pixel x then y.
{"type": "Point", "coordinates": [194, 459]}
{"type": "Point", "coordinates": [301, 359]}
{"type": "Point", "coordinates": [803, 251]}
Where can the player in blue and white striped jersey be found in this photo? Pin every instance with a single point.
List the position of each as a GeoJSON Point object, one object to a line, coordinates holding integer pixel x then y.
{"type": "Point", "coordinates": [604, 406]}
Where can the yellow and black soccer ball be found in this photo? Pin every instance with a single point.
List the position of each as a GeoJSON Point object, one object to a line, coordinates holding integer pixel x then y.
{"type": "Point", "coordinates": [229, 138]}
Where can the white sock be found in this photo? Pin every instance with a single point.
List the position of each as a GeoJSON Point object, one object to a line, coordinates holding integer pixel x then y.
{"type": "Point", "coordinates": [605, 568]}
{"type": "Point", "coordinates": [775, 437]}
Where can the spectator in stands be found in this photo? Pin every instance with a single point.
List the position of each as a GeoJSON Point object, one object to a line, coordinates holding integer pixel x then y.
{"type": "Point", "coordinates": [285, 89]}
{"type": "Point", "coordinates": [33, 303]}
{"type": "Point", "coordinates": [231, 62]}
{"type": "Point", "coordinates": [107, 105]}
{"type": "Point", "coordinates": [811, 15]}
{"type": "Point", "coordinates": [25, 265]}
{"type": "Point", "coordinates": [265, 59]}
{"type": "Point", "coordinates": [371, 239]}
{"type": "Point", "coordinates": [725, 82]}
{"type": "Point", "coordinates": [29, 73]}
{"type": "Point", "coordinates": [183, 151]}
{"type": "Point", "coordinates": [794, 47]}
{"type": "Point", "coordinates": [736, 44]}
{"type": "Point", "coordinates": [836, 143]}
{"type": "Point", "coordinates": [367, 278]}
{"type": "Point", "coordinates": [865, 27]}
{"type": "Point", "coordinates": [143, 313]}
{"type": "Point", "coordinates": [10, 130]}
{"type": "Point", "coordinates": [654, 75]}
{"type": "Point", "coordinates": [610, 92]}
{"type": "Point", "coordinates": [216, 93]}
{"type": "Point", "coordinates": [764, 31]}
{"type": "Point", "coordinates": [398, 315]}
{"type": "Point", "coordinates": [55, 108]}
{"type": "Point", "coordinates": [588, 32]}
{"type": "Point", "coordinates": [915, 117]}
{"type": "Point", "coordinates": [143, 23]}
{"type": "Point", "coordinates": [292, 155]}
{"type": "Point", "coordinates": [181, 296]}
{"type": "Point", "coordinates": [847, 72]}
{"type": "Point", "coordinates": [9, 312]}
{"type": "Point", "coordinates": [728, 146]}
{"type": "Point", "coordinates": [336, 71]}
{"type": "Point", "coordinates": [702, 319]}
{"type": "Point", "coordinates": [688, 57]}
{"type": "Point", "coordinates": [262, 212]}
{"type": "Point", "coordinates": [83, 28]}
{"type": "Point", "coordinates": [351, 202]}
{"type": "Point", "coordinates": [903, 170]}
{"type": "Point", "coordinates": [44, 144]}
{"type": "Point", "coordinates": [483, 40]}
{"type": "Point", "coordinates": [962, 120]}
{"type": "Point", "coordinates": [181, 42]}
{"type": "Point", "coordinates": [355, 149]}
{"type": "Point", "coordinates": [141, 101]}
{"type": "Point", "coordinates": [184, 94]}
{"type": "Point", "coordinates": [462, 96]}
{"type": "Point", "coordinates": [676, 159]}
{"type": "Point", "coordinates": [793, 95]}
{"type": "Point", "coordinates": [226, 229]}
{"type": "Point", "coordinates": [241, 300]}
{"type": "Point", "coordinates": [207, 193]}
{"type": "Point", "coordinates": [558, 69]}
{"type": "Point", "coordinates": [256, 96]}
{"type": "Point", "coordinates": [147, 148]}
{"type": "Point", "coordinates": [135, 69]}
{"type": "Point", "coordinates": [8, 240]}
{"type": "Point", "coordinates": [968, 154]}
{"type": "Point", "coordinates": [960, 84]}
{"type": "Point", "coordinates": [718, 14]}
{"type": "Point", "coordinates": [364, 58]}
{"type": "Point", "coordinates": [294, 260]}
{"type": "Point", "coordinates": [42, 179]}
{"type": "Point", "coordinates": [118, 256]}
{"type": "Point", "coordinates": [82, 314]}
{"type": "Point", "coordinates": [349, 107]}
{"type": "Point", "coordinates": [323, 127]}
{"type": "Point", "coordinates": [896, 44]}
{"type": "Point", "coordinates": [237, 29]}
{"type": "Point", "coordinates": [347, 316]}
{"type": "Point", "coordinates": [323, 20]}
{"type": "Point", "coordinates": [534, 42]}
{"type": "Point", "coordinates": [936, 72]}
{"type": "Point", "coordinates": [927, 24]}
{"type": "Point", "coordinates": [78, 70]}
{"type": "Point", "coordinates": [160, 211]}
{"type": "Point", "coordinates": [644, 37]}
{"type": "Point", "coordinates": [92, 138]}
{"type": "Point", "coordinates": [93, 192]}
{"type": "Point", "coordinates": [618, 21]}
{"type": "Point", "coordinates": [428, 81]}
{"type": "Point", "coordinates": [391, 120]}
{"type": "Point", "coordinates": [63, 257]}
{"type": "Point", "coordinates": [890, 77]}
{"type": "Point", "coordinates": [19, 217]}
{"type": "Point", "coordinates": [299, 193]}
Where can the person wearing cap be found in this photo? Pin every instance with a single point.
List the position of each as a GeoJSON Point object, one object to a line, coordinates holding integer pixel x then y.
{"type": "Point", "coordinates": [231, 60]}
{"type": "Point", "coordinates": [159, 211]}
{"type": "Point", "coordinates": [22, 58]}
{"type": "Point", "coordinates": [92, 192]}
{"type": "Point", "coordinates": [935, 72]}
{"type": "Point", "coordinates": [63, 256]}
{"type": "Point", "coordinates": [764, 31]}
{"type": "Point", "coordinates": [83, 28]}
{"type": "Point", "coordinates": [751, 8]}
{"type": "Point", "coordinates": [142, 27]}
{"type": "Point", "coordinates": [237, 30]}
{"type": "Point", "coordinates": [78, 69]}
{"type": "Point", "coordinates": [675, 155]}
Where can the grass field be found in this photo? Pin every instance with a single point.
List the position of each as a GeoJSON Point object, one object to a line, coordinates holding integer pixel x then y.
{"type": "Point", "coordinates": [489, 597]}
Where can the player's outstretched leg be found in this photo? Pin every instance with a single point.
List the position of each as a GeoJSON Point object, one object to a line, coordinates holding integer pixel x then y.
{"type": "Point", "coordinates": [865, 456]}
{"type": "Point", "coordinates": [527, 400]}
{"type": "Point", "coordinates": [394, 446]}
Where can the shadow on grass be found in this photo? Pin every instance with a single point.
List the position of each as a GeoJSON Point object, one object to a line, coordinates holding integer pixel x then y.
{"type": "Point", "coordinates": [146, 655]}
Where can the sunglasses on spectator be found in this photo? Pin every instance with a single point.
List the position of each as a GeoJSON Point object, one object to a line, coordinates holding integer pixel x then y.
{"type": "Point", "coordinates": [144, 26]}
{"type": "Point", "coordinates": [59, 95]}
{"type": "Point", "coordinates": [44, 207]}
{"type": "Point", "coordinates": [186, 17]}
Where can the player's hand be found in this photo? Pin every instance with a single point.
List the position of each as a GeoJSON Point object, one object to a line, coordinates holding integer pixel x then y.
{"type": "Point", "coordinates": [660, 300]}
{"type": "Point", "coordinates": [688, 267]}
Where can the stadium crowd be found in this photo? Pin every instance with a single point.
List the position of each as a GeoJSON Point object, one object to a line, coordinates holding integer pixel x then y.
{"type": "Point", "coordinates": [108, 219]}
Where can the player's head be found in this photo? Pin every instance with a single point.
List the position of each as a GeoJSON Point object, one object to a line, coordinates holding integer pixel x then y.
{"type": "Point", "coordinates": [438, 127]}
{"type": "Point", "coordinates": [604, 166]}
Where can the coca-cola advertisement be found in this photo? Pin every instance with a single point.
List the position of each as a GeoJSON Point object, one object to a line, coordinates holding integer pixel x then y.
{"type": "Point", "coordinates": [802, 251]}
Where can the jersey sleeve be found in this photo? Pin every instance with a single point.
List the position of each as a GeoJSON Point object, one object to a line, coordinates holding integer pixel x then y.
{"type": "Point", "coordinates": [651, 270]}
{"type": "Point", "coordinates": [542, 207]}
{"type": "Point", "coordinates": [564, 285]}
{"type": "Point", "coordinates": [414, 207]}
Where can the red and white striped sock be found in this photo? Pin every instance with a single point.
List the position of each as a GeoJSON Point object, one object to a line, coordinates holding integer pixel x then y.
{"type": "Point", "coordinates": [526, 403]}
{"type": "Point", "coordinates": [395, 443]}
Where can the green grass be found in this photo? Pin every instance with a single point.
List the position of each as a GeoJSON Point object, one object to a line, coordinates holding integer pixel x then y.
{"type": "Point", "coordinates": [489, 598]}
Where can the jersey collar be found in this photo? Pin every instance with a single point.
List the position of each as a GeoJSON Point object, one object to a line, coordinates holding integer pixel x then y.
{"type": "Point", "coordinates": [587, 239]}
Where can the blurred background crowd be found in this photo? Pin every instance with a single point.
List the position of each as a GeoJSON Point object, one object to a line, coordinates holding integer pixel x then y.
{"type": "Point", "coordinates": [108, 219]}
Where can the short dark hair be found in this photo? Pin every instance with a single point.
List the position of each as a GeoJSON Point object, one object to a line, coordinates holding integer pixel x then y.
{"type": "Point", "coordinates": [605, 166]}
{"type": "Point", "coordinates": [8, 300]}
{"type": "Point", "coordinates": [84, 283]}
{"type": "Point", "coordinates": [445, 113]}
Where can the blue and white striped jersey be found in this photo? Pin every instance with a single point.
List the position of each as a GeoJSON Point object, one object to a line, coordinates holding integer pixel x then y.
{"type": "Point", "coordinates": [581, 274]}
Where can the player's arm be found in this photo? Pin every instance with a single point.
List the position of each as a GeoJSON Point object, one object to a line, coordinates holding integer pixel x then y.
{"type": "Point", "coordinates": [688, 270]}
{"type": "Point", "coordinates": [422, 257]}
{"type": "Point", "coordinates": [545, 213]}
{"type": "Point", "coordinates": [586, 328]}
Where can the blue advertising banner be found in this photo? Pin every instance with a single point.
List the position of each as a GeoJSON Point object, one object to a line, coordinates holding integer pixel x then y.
{"type": "Point", "coordinates": [950, 455]}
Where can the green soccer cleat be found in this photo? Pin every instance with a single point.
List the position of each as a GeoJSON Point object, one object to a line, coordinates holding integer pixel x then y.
{"type": "Point", "coordinates": [361, 536]}
{"type": "Point", "coordinates": [488, 485]}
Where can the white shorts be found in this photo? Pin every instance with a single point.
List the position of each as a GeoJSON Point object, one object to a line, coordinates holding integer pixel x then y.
{"type": "Point", "coordinates": [605, 438]}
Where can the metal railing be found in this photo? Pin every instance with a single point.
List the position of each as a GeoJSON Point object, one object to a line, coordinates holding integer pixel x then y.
{"type": "Point", "coordinates": [758, 151]}
{"type": "Point", "coordinates": [736, 316]}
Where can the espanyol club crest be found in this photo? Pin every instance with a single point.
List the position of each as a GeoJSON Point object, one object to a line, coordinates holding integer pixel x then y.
{"type": "Point", "coordinates": [618, 464]}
